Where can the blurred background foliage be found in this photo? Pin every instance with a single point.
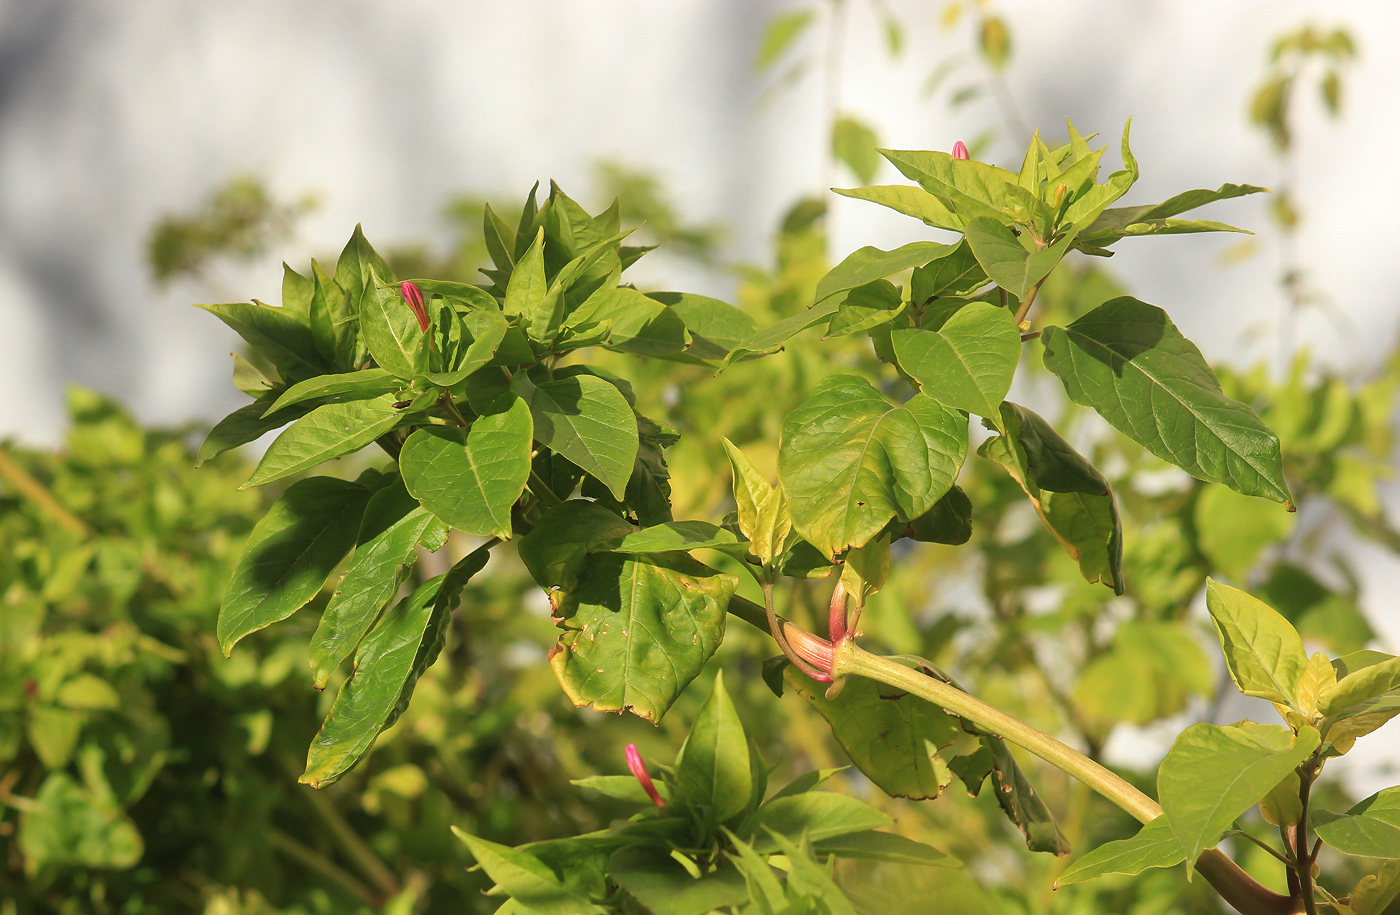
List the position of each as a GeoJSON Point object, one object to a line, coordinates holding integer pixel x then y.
{"type": "Point", "coordinates": [140, 772]}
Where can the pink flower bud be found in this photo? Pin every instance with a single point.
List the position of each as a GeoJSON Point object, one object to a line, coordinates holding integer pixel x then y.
{"type": "Point", "coordinates": [639, 771]}
{"type": "Point", "coordinates": [413, 296]}
{"type": "Point", "coordinates": [960, 150]}
{"type": "Point", "coordinates": [813, 649]}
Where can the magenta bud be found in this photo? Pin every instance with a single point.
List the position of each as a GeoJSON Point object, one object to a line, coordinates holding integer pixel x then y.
{"type": "Point", "coordinates": [960, 150]}
{"type": "Point", "coordinates": [413, 296]}
{"type": "Point", "coordinates": [639, 771]}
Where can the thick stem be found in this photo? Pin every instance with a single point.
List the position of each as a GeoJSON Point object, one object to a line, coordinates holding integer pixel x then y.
{"type": "Point", "coordinates": [1233, 884]}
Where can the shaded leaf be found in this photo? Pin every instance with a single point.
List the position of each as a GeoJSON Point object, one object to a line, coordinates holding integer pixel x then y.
{"type": "Point", "coordinates": [713, 776]}
{"type": "Point", "coordinates": [327, 432]}
{"type": "Point", "coordinates": [588, 421]}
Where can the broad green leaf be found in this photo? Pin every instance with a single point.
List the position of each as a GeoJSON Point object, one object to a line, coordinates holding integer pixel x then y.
{"type": "Point", "coordinates": [850, 461]}
{"type": "Point", "coordinates": [884, 846]}
{"type": "Point", "coordinates": [280, 335]}
{"type": "Point", "coordinates": [815, 814]}
{"type": "Point", "coordinates": [640, 324]}
{"type": "Point", "coordinates": [713, 776]}
{"type": "Point", "coordinates": [1154, 846]}
{"type": "Point", "coordinates": [782, 30]}
{"type": "Point", "coordinates": [853, 143]}
{"type": "Point", "coordinates": [390, 531]}
{"type": "Point", "coordinates": [1367, 695]}
{"type": "Point", "coordinates": [896, 739]}
{"type": "Point", "coordinates": [1127, 360]}
{"type": "Point", "coordinates": [364, 384]}
{"type": "Point", "coordinates": [622, 788]}
{"type": "Point", "coordinates": [911, 201]}
{"type": "Point", "coordinates": [293, 548]}
{"type": "Point", "coordinates": [671, 536]}
{"type": "Point", "coordinates": [637, 629]}
{"type": "Point", "coordinates": [1263, 651]}
{"type": "Point", "coordinates": [955, 274]}
{"type": "Point", "coordinates": [526, 879]}
{"type": "Point", "coordinates": [969, 188]}
{"type": "Point", "coordinates": [358, 264]}
{"type": "Point", "coordinates": [659, 882]}
{"type": "Point", "coordinates": [715, 327]}
{"type": "Point", "coordinates": [588, 421]}
{"type": "Point", "coordinates": [968, 364]}
{"type": "Point", "coordinates": [865, 307]}
{"type": "Point", "coordinates": [1013, 261]}
{"type": "Point", "coordinates": [949, 521]}
{"type": "Point", "coordinates": [867, 264]}
{"type": "Point", "coordinates": [247, 424]}
{"type": "Point", "coordinates": [327, 432]}
{"type": "Point", "coordinates": [1213, 774]}
{"type": "Point", "coordinates": [1071, 497]}
{"type": "Point", "coordinates": [471, 477]}
{"type": "Point", "coordinates": [1371, 829]}
{"type": "Point", "coordinates": [1233, 530]}
{"type": "Point", "coordinates": [391, 330]}
{"type": "Point", "coordinates": [1375, 892]}
{"type": "Point", "coordinates": [556, 551]}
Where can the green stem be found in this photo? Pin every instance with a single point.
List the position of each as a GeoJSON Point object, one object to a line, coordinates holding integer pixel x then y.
{"type": "Point", "coordinates": [34, 491]}
{"type": "Point", "coordinates": [1300, 849]}
{"type": "Point", "coordinates": [1233, 884]}
{"type": "Point", "coordinates": [1027, 302]}
{"type": "Point", "coordinates": [541, 490]}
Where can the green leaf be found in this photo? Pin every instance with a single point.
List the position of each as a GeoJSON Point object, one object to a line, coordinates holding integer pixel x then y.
{"type": "Point", "coordinates": [1127, 360]}
{"type": "Point", "coordinates": [487, 329]}
{"type": "Point", "coordinates": [556, 550]}
{"type": "Point", "coordinates": [280, 335]}
{"type": "Point", "coordinates": [762, 509]}
{"type": "Point", "coordinates": [622, 788]}
{"type": "Point", "coordinates": [911, 201]}
{"type": "Point", "coordinates": [713, 776]}
{"type": "Point", "coordinates": [471, 477]}
{"type": "Point", "coordinates": [391, 330]}
{"type": "Point", "coordinates": [1375, 892]}
{"type": "Point", "coordinates": [811, 880]}
{"type": "Point", "coordinates": [867, 264]}
{"type": "Point", "coordinates": [528, 293]}
{"type": "Point", "coordinates": [404, 643]}
{"type": "Point", "coordinates": [850, 461]}
{"type": "Point", "coordinates": [783, 29]}
{"type": "Point", "coordinates": [949, 521]}
{"type": "Point", "coordinates": [671, 536]}
{"type": "Point", "coordinates": [884, 846]}
{"type": "Point", "coordinates": [1367, 695]}
{"type": "Point", "coordinates": [588, 421]}
{"type": "Point", "coordinates": [955, 274]}
{"type": "Point", "coordinates": [247, 424]}
{"type": "Point", "coordinates": [327, 432]}
{"type": "Point", "coordinates": [1017, 799]}
{"type": "Point", "coordinates": [641, 325]}
{"type": "Point", "coordinates": [334, 319]}
{"type": "Point", "coordinates": [293, 548]}
{"type": "Point", "coordinates": [1071, 497]}
{"type": "Point", "coordinates": [968, 187]}
{"type": "Point", "coordinates": [659, 882]}
{"type": "Point", "coordinates": [1012, 260]}
{"type": "Point", "coordinates": [853, 143]}
{"type": "Point", "coordinates": [357, 266]}
{"type": "Point", "coordinates": [771, 338]}
{"type": "Point", "coordinates": [1213, 774]}
{"type": "Point", "coordinates": [1150, 672]}
{"type": "Point", "coordinates": [527, 879]}
{"type": "Point", "coordinates": [715, 327]}
{"type": "Point", "coordinates": [896, 739]}
{"type": "Point", "coordinates": [637, 629]}
{"type": "Point", "coordinates": [865, 307]}
{"type": "Point", "coordinates": [968, 364]}
{"type": "Point", "coordinates": [68, 824]}
{"type": "Point", "coordinates": [365, 384]}
{"type": "Point", "coordinates": [1263, 651]}
{"type": "Point", "coordinates": [1154, 219]}
{"type": "Point", "coordinates": [815, 814]}
{"type": "Point", "coordinates": [385, 551]}
{"type": "Point", "coordinates": [1154, 846]}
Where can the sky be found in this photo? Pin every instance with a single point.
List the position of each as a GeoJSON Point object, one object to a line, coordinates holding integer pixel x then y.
{"type": "Point", "coordinates": [113, 115]}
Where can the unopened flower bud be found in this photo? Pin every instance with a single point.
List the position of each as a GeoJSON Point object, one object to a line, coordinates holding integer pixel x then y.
{"type": "Point", "coordinates": [1060, 190]}
{"type": "Point", "coordinates": [413, 296]}
{"type": "Point", "coordinates": [639, 771]}
{"type": "Point", "coordinates": [960, 150]}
